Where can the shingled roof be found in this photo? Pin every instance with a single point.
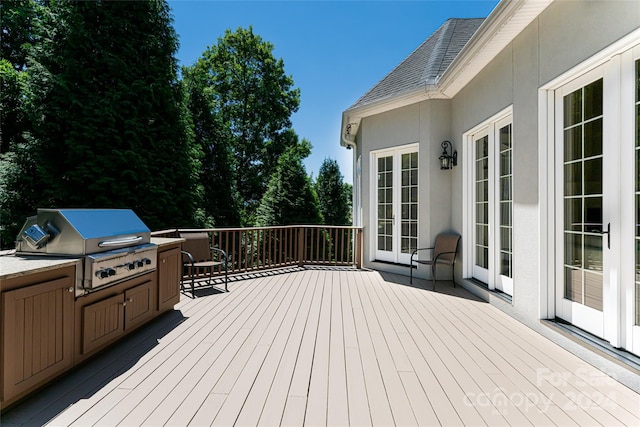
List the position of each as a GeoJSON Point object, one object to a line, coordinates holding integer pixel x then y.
{"type": "Point", "coordinates": [425, 64]}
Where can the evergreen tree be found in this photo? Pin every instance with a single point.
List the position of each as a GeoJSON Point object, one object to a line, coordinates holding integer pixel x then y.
{"type": "Point", "coordinates": [290, 198]}
{"type": "Point", "coordinates": [255, 99]}
{"type": "Point", "coordinates": [110, 125]}
{"type": "Point", "coordinates": [334, 197]}
{"type": "Point", "coordinates": [221, 199]}
{"type": "Point", "coordinates": [18, 186]}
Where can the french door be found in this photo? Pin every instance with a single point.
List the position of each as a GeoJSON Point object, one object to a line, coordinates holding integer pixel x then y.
{"type": "Point", "coordinates": [493, 205]}
{"type": "Point", "coordinates": [396, 204]}
{"type": "Point", "coordinates": [585, 205]}
{"type": "Point", "coordinates": [597, 201]}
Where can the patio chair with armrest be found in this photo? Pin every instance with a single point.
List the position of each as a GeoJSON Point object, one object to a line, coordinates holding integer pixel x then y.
{"type": "Point", "coordinates": [443, 253]}
{"type": "Point", "coordinates": [199, 256]}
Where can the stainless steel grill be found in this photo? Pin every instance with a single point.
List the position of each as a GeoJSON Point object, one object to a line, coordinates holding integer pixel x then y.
{"type": "Point", "coordinates": [114, 243]}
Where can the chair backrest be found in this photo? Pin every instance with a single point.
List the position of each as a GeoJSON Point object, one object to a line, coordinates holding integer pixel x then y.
{"type": "Point", "coordinates": [197, 244]}
{"type": "Point", "coordinates": [446, 242]}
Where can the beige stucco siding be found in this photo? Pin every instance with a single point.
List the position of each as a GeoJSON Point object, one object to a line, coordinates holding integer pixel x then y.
{"type": "Point", "coordinates": [427, 124]}
{"type": "Point", "coordinates": [564, 35]}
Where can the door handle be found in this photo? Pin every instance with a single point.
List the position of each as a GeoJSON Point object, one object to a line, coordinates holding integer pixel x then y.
{"type": "Point", "coordinates": [608, 233]}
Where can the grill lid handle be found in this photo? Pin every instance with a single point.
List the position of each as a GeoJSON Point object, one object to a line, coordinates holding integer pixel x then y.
{"type": "Point", "coordinates": [120, 242]}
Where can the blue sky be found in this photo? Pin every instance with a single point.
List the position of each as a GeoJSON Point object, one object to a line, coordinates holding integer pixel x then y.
{"type": "Point", "coordinates": [334, 50]}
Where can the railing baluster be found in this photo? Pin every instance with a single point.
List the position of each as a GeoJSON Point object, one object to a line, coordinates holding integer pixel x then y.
{"type": "Point", "coordinates": [260, 248]}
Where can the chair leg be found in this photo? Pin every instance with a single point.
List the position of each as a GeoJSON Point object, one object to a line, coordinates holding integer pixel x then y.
{"type": "Point", "coordinates": [411, 274]}
{"type": "Point", "coordinates": [453, 279]}
{"type": "Point", "coordinates": [433, 275]}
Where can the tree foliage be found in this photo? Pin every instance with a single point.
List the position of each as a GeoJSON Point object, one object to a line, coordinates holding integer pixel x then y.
{"type": "Point", "coordinates": [255, 99]}
{"type": "Point", "coordinates": [109, 126]}
{"type": "Point", "coordinates": [334, 196]}
{"type": "Point", "coordinates": [290, 197]}
{"type": "Point", "coordinates": [221, 201]}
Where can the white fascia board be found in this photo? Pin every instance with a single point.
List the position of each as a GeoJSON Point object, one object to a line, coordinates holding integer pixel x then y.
{"type": "Point", "coordinates": [504, 23]}
{"type": "Point", "coordinates": [352, 117]}
{"type": "Point", "coordinates": [508, 19]}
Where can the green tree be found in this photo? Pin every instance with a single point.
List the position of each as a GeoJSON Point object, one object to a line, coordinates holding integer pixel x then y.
{"type": "Point", "coordinates": [290, 197]}
{"type": "Point", "coordinates": [255, 99]}
{"type": "Point", "coordinates": [18, 188]}
{"type": "Point", "coordinates": [221, 202]}
{"type": "Point", "coordinates": [17, 18]}
{"type": "Point", "coordinates": [333, 195]}
{"type": "Point", "coordinates": [110, 124]}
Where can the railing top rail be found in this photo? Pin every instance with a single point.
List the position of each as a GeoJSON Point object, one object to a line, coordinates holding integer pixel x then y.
{"type": "Point", "coordinates": [275, 227]}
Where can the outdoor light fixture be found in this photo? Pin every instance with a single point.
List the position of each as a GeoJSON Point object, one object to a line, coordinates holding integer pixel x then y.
{"type": "Point", "coordinates": [448, 161]}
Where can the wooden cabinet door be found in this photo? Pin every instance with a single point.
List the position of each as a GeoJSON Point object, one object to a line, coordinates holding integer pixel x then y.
{"type": "Point", "coordinates": [102, 322]}
{"type": "Point", "coordinates": [139, 305]}
{"type": "Point", "coordinates": [169, 271]}
{"type": "Point", "coordinates": [37, 325]}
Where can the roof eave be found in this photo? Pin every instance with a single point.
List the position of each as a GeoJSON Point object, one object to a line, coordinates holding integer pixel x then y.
{"type": "Point", "coordinates": [352, 117]}
{"type": "Point", "coordinates": [506, 21]}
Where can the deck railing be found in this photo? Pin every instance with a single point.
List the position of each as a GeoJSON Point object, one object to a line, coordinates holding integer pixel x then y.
{"type": "Point", "coordinates": [263, 248]}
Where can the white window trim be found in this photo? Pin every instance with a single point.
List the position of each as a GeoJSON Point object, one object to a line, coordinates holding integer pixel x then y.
{"type": "Point", "coordinates": [468, 184]}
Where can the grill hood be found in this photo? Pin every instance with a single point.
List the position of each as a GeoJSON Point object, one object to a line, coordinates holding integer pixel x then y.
{"type": "Point", "coordinates": [79, 232]}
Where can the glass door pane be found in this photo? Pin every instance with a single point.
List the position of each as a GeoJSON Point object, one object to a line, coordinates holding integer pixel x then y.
{"type": "Point", "coordinates": [385, 204]}
{"type": "Point", "coordinates": [409, 203]}
{"type": "Point", "coordinates": [506, 202]}
{"type": "Point", "coordinates": [482, 203]}
{"type": "Point", "coordinates": [582, 130]}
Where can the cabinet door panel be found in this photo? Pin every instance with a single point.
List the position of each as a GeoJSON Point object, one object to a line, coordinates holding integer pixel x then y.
{"type": "Point", "coordinates": [140, 305]}
{"type": "Point", "coordinates": [37, 323]}
{"type": "Point", "coordinates": [102, 322]}
{"type": "Point", "coordinates": [169, 270]}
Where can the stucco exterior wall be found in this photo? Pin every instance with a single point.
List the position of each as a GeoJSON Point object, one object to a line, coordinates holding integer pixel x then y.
{"type": "Point", "coordinates": [562, 37]}
{"type": "Point", "coordinates": [427, 124]}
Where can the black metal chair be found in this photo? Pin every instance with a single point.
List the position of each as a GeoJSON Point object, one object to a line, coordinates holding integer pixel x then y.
{"type": "Point", "coordinates": [198, 257]}
{"type": "Point", "coordinates": [444, 253]}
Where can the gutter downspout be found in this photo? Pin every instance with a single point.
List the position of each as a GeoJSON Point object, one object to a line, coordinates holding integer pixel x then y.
{"type": "Point", "coordinates": [355, 197]}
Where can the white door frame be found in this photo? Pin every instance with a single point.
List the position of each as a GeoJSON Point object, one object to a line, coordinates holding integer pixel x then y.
{"type": "Point", "coordinates": [617, 67]}
{"type": "Point", "coordinates": [489, 128]}
{"type": "Point", "coordinates": [394, 256]}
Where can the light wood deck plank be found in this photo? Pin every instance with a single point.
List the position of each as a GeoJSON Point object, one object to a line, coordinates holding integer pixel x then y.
{"type": "Point", "coordinates": [261, 315]}
{"type": "Point", "coordinates": [337, 402]}
{"type": "Point", "coordinates": [171, 367]}
{"type": "Point", "coordinates": [271, 395]}
{"type": "Point", "coordinates": [359, 411]}
{"type": "Point", "coordinates": [376, 392]}
{"type": "Point", "coordinates": [316, 411]}
{"type": "Point", "coordinates": [398, 401]}
{"type": "Point", "coordinates": [333, 347]}
{"type": "Point", "coordinates": [564, 393]}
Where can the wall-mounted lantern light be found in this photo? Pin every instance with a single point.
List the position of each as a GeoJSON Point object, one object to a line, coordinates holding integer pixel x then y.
{"type": "Point", "coordinates": [448, 161]}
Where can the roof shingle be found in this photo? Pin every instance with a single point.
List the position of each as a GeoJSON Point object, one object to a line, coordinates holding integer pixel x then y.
{"type": "Point", "coordinates": [425, 64]}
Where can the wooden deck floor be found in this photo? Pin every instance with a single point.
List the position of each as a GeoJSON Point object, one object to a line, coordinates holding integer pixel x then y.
{"type": "Point", "coordinates": [333, 347]}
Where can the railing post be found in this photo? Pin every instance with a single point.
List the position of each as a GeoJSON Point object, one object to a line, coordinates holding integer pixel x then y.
{"type": "Point", "coordinates": [301, 233]}
{"type": "Point", "coordinates": [358, 251]}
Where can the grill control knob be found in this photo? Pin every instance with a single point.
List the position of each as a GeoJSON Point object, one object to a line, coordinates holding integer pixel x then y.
{"type": "Point", "coordinates": [140, 263]}
{"type": "Point", "coordinates": [147, 261]}
{"type": "Point", "coordinates": [102, 274]}
{"type": "Point", "coordinates": [111, 271]}
{"type": "Point", "coordinates": [131, 266]}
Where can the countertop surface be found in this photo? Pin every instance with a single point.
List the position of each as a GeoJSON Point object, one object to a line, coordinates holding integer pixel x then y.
{"type": "Point", "coordinates": [18, 265]}
{"type": "Point", "coordinates": [12, 265]}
